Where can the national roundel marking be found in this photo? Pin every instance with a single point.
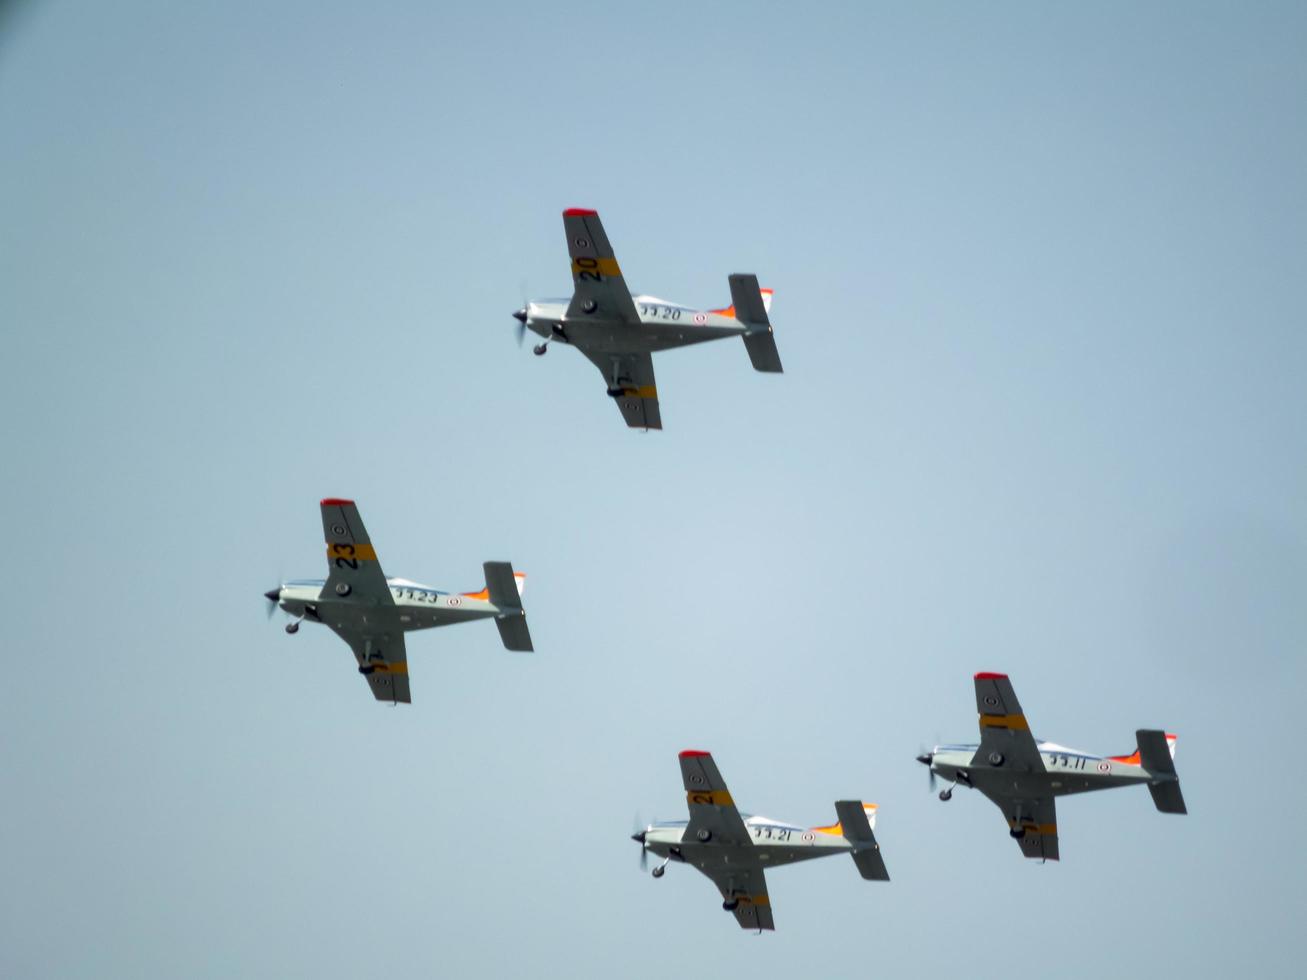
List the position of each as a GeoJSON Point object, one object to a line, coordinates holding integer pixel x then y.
{"type": "Point", "coordinates": [700, 318]}
{"type": "Point", "coordinates": [455, 600]}
{"type": "Point", "coordinates": [809, 836]}
{"type": "Point", "coordinates": [696, 778]}
{"type": "Point", "coordinates": [582, 243]}
{"type": "Point", "coordinates": [1105, 767]}
{"type": "Point", "coordinates": [338, 529]}
{"type": "Point", "coordinates": [991, 700]}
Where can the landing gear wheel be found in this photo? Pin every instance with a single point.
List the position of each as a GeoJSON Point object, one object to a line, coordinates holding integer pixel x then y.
{"type": "Point", "coordinates": [945, 795]}
{"type": "Point", "coordinates": [540, 350]}
{"type": "Point", "coordinates": [292, 628]}
{"type": "Point", "coordinates": [731, 905]}
{"type": "Point", "coordinates": [659, 871]}
{"type": "Point", "coordinates": [365, 671]}
{"type": "Point", "coordinates": [1016, 833]}
{"type": "Point", "coordinates": [704, 835]}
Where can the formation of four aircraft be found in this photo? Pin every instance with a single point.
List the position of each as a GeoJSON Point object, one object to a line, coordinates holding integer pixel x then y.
{"type": "Point", "coordinates": [619, 333]}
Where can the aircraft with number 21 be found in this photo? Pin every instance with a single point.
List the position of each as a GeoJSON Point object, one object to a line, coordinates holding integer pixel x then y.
{"type": "Point", "coordinates": [372, 613]}
{"type": "Point", "coordinates": [619, 332]}
{"type": "Point", "coordinates": [1022, 776]}
{"type": "Point", "coordinates": [735, 849]}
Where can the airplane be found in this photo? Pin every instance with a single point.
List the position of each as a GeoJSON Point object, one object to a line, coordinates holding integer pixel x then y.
{"type": "Point", "coordinates": [735, 849]}
{"type": "Point", "coordinates": [619, 332]}
{"type": "Point", "coordinates": [372, 613]}
{"type": "Point", "coordinates": [1023, 776]}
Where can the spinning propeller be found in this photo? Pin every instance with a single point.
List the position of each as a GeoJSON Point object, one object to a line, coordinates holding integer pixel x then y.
{"type": "Point", "coordinates": [639, 838]}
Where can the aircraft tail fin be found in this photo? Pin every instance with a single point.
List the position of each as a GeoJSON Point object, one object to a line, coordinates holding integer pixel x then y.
{"type": "Point", "coordinates": [856, 822]}
{"type": "Point", "coordinates": [751, 304]}
{"type": "Point", "coordinates": [1157, 756]}
{"type": "Point", "coordinates": [504, 588]}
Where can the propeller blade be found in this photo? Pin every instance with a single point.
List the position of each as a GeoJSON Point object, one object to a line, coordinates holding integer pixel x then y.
{"type": "Point", "coordinates": [273, 596]}
{"type": "Point", "coordinates": [521, 331]}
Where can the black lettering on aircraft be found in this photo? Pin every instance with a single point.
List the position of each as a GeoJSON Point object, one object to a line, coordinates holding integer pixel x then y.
{"type": "Point", "coordinates": [588, 269]}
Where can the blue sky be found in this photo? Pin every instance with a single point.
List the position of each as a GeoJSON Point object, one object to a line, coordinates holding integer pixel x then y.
{"type": "Point", "coordinates": [1038, 277]}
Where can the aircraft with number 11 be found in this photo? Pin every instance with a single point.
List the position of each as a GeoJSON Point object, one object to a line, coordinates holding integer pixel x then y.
{"type": "Point", "coordinates": [1022, 776]}
{"type": "Point", "coordinates": [619, 332]}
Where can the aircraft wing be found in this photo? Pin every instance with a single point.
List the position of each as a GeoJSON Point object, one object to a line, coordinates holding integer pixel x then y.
{"type": "Point", "coordinates": [634, 375]}
{"type": "Point", "coordinates": [748, 887]}
{"type": "Point", "coordinates": [712, 811]}
{"type": "Point", "coordinates": [384, 657]}
{"type": "Point", "coordinates": [598, 287]}
{"type": "Point", "coordinates": [1003, 727]}
{"type": "Point", "coordinates": [352, 567]}
{"type": "Point", "coordinates": [1038, 818]}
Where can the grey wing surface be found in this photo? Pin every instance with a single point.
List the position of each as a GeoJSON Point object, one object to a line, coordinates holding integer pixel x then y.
{"type": "Point", "coordinates": [353, 571]}
{"type": "Point", "coordinates": [599, 291]}
{"type": "Point", "coordinates": [631, 384]}
{"type": "Point", "coordinates": [1037, 818]}
{"type": "Point", "coordinates": [748, 887]}
{"type": "Point", "coordinates": [384, 660]}
{"type": "Point", "coordinates": [1004, 731]}
{"type": "Point", "coordinates": [712, 811]}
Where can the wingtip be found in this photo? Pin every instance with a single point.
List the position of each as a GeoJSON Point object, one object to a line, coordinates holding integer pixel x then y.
{"type": "Point", "coordinates": [579, 213]}
{"type": "Point", "coordinates": [336, 502]}
{"type": "Point", "coordinates": [986, 675]}
{"type": "Point", "coordinates": [693, 754]}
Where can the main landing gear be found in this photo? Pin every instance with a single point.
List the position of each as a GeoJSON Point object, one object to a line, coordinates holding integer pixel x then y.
{"type": "Point", "coordinates": [659, 871]}
{"type": "Point", "coordinates": [946, 794]}
{"type": "Point", "coordinates": [539, 350]}
{"type": "Point", "coordinates": [294, 627]}
{"type": "Point", "coordinates": [730, 905]}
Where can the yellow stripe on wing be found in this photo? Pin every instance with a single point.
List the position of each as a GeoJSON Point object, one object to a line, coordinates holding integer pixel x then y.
{"type": "Point", "coordinates": [340, 549]}
{"type": "Point", "coordinates": [1016, 722]}
{"type": "Point", "coordinates": [605, 267]}
{"type": "Point", "coordinates": [711, 797]}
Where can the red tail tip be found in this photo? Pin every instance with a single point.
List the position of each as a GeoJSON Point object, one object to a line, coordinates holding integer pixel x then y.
{"type": "Point", "coordinates": [336, 502]}
{"type": "Point", "coordinates": [692, 754]}
{"type": "Point", "coordinates": [579, 213]}
{"type": "Point", "coordinates": [986, 675]}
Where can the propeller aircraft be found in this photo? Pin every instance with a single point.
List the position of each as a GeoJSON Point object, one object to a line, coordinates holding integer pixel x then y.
{"type": "Point", "coordinates": [619, 332]}
{"type": "Point", "coordinates": [735, 849]}
{"type": "Point", "coordinates": [1023, 776]}
{"type": "Point", "coordinates": [372, 613]}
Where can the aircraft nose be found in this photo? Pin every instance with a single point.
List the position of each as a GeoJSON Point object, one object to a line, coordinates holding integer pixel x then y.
{"type": "Point", "coordinates": [638, 838]}
{"type": "Point", "coordinates": [520, 315]}
{"type": "Point", "coordinates": [272, 595]}
{"type": "Point", "coordinates": [926, 758]}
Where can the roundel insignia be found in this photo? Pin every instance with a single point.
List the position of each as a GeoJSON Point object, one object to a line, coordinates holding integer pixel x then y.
{"type": "Point", "coordinates": [991, 700]}
{"type": "Point", "coordinates": [1105, 767]}
{"type": "Point", "coordinates": [338, 529]}
{"type": "Point", "coordinates": [455, 600]}
{"type": "Point", "coordinates": [809, 836]}
{"type": "Point", "coordinates": [582, 243]}
{"type": "Point", "coordinates": [700, 318]}
{"type": "Point", "coordinates": [695, 778]}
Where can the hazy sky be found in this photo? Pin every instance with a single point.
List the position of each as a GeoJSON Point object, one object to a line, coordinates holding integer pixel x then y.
{"type": "Point", "coordinates": [1039, 277]}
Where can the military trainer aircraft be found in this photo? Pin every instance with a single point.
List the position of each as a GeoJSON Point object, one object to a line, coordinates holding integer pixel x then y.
{"type": "Point", "coordinates": [619, 333]}
{"type": "Point", "coordinates": [372, 613]}
{"type": "Point", "coordinates": [735, 849]}
{"type": "Point", "coordinates": [1023, 776]}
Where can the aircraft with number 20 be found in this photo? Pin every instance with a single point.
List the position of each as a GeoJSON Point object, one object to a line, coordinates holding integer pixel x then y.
{"type": "Point", "coordinates": [372, 613]}
{"type": "Point", "coordinates": [619, 333]}
{"type": "Point", "coordinates": [735, 849]}
{"type": "Point", "coordinates": [1023, 776]}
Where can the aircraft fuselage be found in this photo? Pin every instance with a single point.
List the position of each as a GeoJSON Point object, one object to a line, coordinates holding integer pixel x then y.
{"type": "Point", "coordinates": [415, 607]}
{"type": "Point", "coordinates": [1064, 771]}
{"type": "Point", "coordinates": [662, 326]}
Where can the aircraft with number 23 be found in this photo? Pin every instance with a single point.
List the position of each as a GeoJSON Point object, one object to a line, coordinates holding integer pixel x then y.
{"type": "Point", "coordinates": [619, 332]}
{"type": "Point", "coordinates": [1023, 776]}
{"type": "Point", "coordinates": [372, 613]}
{"type": "Point", "coordinates": [735, 849]}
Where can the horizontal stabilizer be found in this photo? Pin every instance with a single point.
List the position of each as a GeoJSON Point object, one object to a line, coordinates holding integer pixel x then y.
{"type": "Point", "coordinates": [857, 831]}
{"type": "Point", "coordinates": [1155, 755]}
{"type": "Point", "coordinates": [1167, 797]}
{"type": "Point", "coordinates": [513, 631]}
